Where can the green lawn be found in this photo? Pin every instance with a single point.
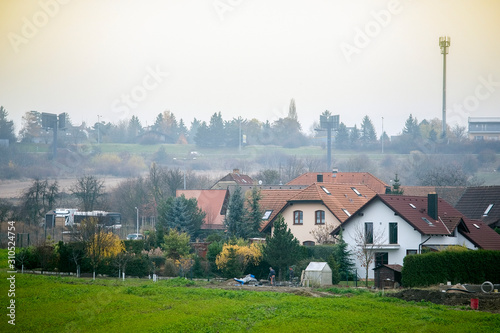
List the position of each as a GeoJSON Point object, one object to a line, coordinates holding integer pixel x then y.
{"type": "Point", "coordinates": [54, 304]}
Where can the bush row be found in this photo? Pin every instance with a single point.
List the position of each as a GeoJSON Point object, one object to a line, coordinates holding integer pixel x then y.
{"type": "Point", "coordinates": [457, 267]}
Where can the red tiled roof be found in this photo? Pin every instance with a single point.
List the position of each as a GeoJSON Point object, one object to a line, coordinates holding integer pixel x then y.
{"type": "Point", "coordinates": [341, 201]}
{"type": "Point", "coordinates": [354, 178]}
{"type": "Point", "coordinates": [212, 202]}
{"type": "Point", "coordinates": [275, 200]}
{"type": "Point", "coordinates": [413, 209]}
{"type": "Point", "coordinates": [237, 178]}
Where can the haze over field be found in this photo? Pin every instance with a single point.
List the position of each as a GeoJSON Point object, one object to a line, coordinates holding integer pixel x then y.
{"type": "Point", "coordinates": [378, 58]}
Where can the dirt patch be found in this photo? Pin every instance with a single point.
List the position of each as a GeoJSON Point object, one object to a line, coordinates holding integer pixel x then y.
{"type": "Point", "coordinates": [489, 302]}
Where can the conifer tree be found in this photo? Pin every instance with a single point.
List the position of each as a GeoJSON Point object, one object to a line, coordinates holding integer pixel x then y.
{"type": "Point", "coordinates": [282, 249]}
{"type": "Point", "coordinates": [235, 218]}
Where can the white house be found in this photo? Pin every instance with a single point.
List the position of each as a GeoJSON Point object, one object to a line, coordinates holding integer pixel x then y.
{"type": "Point", "coordinates": [392, 226]}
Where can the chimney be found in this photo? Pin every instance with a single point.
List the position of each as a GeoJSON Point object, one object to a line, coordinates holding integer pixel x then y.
{"type": "Point", "coordinates": [432, 205]}
{"type": "Point", "coordinates": [319, 178]}
{"type": "Point", "coordinates": [236, 170]}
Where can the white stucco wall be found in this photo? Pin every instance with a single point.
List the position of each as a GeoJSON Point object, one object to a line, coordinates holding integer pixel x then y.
{"type": "Point", "coordinates": [408, 238]}
{"type": "Point", "coordinates": [303, 232]}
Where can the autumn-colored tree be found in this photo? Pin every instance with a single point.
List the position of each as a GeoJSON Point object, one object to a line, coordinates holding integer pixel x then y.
{"type": "Point", "coordinates": [239, 256]}
{"type": "Point", "coordinates": [99, 243]}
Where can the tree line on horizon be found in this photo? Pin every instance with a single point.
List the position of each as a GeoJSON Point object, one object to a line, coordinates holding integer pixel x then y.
{"type": "Point", "coordinates": [286, 131]}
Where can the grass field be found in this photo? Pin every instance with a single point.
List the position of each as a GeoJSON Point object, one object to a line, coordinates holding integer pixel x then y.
{"type": "Point", "coordinates": [55, 304]}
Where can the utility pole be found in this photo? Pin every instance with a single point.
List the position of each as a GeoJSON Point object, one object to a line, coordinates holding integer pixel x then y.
{"type": "Point", "coordinates": [382, 139]}
{"type": "Point", "coordinates": [444, 44]}
{"type": "Point", "coordinates": [137, 209]}
{"type": "Point", "coordinates": [98, 130]}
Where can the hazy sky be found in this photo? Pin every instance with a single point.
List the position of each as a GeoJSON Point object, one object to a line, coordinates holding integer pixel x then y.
{"type": "Point", "coordinates": [249, 58]}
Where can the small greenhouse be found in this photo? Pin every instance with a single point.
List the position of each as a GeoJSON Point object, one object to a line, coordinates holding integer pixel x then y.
{"type": "Point", "coordinates": [317, 274]}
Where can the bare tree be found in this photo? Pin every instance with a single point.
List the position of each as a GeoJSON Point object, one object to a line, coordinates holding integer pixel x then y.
{"type": "Point", "coordinates": [89, 190]}
{"type": "Point", "coordinates": [322, 234]}
{"type": "Point", "coordinates": [367, 243]}
{"type": "Point", "coordinates": [38, 199]}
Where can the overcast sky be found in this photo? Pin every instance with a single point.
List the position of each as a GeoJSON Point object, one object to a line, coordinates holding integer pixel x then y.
{"type": "Point", "coordinates": [249, 58]}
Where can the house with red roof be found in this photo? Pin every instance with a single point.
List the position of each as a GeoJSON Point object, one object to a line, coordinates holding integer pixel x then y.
{"type": "Point", "coordinates": [319, 206]}
{"type": "Point", "coordinates": [352, 178]}
{"type": "Point", "coordinates": [213, 202]}
{"type": "Point", "coordinates": [232, 178]}
{"type": "Point", "coordinates": [393, 226]}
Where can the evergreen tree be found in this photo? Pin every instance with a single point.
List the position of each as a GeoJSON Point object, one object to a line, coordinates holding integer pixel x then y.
{"type": "Point", "coordinates": [342, 136]}
{"type": "Point", "coordinates": [181, 214]}
{"type": "Point", "coordinates": [235, 221]}
{"type": "Point", "coordinates": [368, 134]}
{"type": "Point", "coordinates": [217, 135]}
{"type": "Point", "coordinates": [254, 212]}
{"type": "Point", "coordinates": [282, 249]}
{"type": "Point", "coordinates": [335, 267]}
{"type": "Point", "coordinates": [396, 187]}
{"type": "Point", "coordinates": [134, 128]}
{"type": "Point", "coordinates": [354, 136]}
{"type": "Point", "coordinates": [411, 127]}
{"type": "Point", "coordinates": [202, 137]}
{"type": "Point", "coordinates": [193, 130]}
{"type": "Point", "coordinates": [343, 257]}
{"type": "Point", "coordinates": [6, 126]}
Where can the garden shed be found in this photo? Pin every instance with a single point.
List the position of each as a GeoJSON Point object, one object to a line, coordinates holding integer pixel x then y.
{"type": "Point", "coordinates": [317, 274]}
{"type": "Point", "coordinates": [387, 276]}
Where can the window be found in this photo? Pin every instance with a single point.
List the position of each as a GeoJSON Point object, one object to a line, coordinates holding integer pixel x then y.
{"type": "Point", "coordinates": [356, 191]}
{"type": "Point", "coordinates": [319, 216]}
{"type": "Point", "coordinates": [381, 258]}
{"type": "Point", "coordinates": [326, 190]}
{"type": "Point", "coordinates": [346, 212]}
{"type": "Point", "coordinates": [408, 252]}
{"type": "Point", "coordinates": [487, 211]}
{"type": "Point", "coordinates": [393, 233]}
{"type": "Point", "coordinates": [427, 221]}
{"type": "Point", "coordinates": [267, 214]}
{"type": "Point", "coordinates": [298, 217]}
{"type": "Point", "coordinates": [368, 232]}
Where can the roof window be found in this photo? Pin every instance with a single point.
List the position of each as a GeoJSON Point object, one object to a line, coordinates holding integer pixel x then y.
{"type": "Point", "coordinates": [487, 210]}
{"type": "Point", "coordinates": [346, 212]}
{"type": "Point", "coordinates": [267, 214]}
{"type": "Point", "coordinates": [356, 191]}
{"type": "Point", "coordinates": [427, 221]}
{"type": "Point", "coordinates": [325, 189]}
{"type": "Point", "coordinates": [413, 206]}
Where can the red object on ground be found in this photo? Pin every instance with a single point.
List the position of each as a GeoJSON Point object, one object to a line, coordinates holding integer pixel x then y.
{"type": "Point", "coordinates": [474, 303]}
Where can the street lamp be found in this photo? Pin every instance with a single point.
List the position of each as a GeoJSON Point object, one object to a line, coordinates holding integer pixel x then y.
{"type": "Point", "coordinates": [137, 209]}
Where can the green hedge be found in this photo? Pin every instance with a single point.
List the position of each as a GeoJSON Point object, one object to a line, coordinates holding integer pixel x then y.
{"type": "Point", "coordinates": [457, 267]}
